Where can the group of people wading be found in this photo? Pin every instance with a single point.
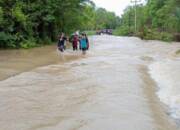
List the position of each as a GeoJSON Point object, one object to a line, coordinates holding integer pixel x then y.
{"type": "Point", "coordinates": [79, 42]}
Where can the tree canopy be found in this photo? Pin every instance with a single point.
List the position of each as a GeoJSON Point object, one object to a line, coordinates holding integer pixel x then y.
{"type": "Point", "coordinates": [28, 23]}
{"type": "Point", "coordinates": [158, 19]}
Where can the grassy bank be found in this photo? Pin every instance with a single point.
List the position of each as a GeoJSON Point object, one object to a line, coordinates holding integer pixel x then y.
{"type": "Point", "coordinates": [147, 34]}
{"type": "Point", "coordinates": [155, 35]}
{"type": "Point", "coordinates": [90, 33]}
{"type": "Point", "coordinates": [16, 42]}
{"type": "Point", "coordinates": [178, 52]}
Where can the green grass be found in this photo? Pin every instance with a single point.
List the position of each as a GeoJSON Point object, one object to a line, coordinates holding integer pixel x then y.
{"type": "Point", "coordinates": [123, 31]}
{"type": "Point", "coordinates": [90, 33]}
{"type": "Point", "coordinates": [155, 35]}
{"type": "Point", "coordinates": [148, 34]}
{"type": "Point", "coordinates": [178, 52]}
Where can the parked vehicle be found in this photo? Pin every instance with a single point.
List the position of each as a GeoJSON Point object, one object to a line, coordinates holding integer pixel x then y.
{"type": "Point", "coordinates": [104, 31]}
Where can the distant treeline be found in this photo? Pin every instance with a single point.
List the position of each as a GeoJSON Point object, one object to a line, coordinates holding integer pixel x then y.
{"type": "Point", "coordinates": [158, 19]}
{"type": "Point", "coordinates": [29, 23]}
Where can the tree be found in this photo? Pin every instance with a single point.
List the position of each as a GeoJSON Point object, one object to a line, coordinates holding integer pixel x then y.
{"type": "Point", "coordinates": [158, 19]}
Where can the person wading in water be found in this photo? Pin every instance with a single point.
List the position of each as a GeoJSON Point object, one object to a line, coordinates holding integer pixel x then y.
{"type": "Point", "coordinates": [83, 44]}
{"type": "Point", "coordinates": [87, 40]}
{"type": "Point", "coordinates": [75, 42]}
{"type": "Point", "coordinates": [61, 42]}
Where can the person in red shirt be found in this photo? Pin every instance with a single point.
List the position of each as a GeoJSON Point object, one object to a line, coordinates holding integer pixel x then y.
{"type": "Point", "coordinates": [75, 42]}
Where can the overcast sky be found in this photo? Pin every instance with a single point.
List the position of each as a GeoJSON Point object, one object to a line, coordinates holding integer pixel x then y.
{"type": "Point", "coordinates": [116, 6]}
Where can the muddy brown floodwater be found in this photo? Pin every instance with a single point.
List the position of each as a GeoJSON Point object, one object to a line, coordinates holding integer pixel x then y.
{"type": "Point", "coordinates": [111, 88]}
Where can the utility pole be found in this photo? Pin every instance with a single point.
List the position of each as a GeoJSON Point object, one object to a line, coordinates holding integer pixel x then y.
{"type": "Point", "coordinates": [129, 22]}
{"type": "Point", "coordinates": [135, 17]}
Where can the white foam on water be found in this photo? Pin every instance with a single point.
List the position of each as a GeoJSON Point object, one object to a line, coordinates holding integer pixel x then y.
{"type": "Point", "coordinates": [167, 75]}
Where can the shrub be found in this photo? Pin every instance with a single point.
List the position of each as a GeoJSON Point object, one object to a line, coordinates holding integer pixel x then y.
{"type": "Point", "coordinates": [153, 34]}
{"type": "Point", "coordinates": [7, 40]}
{"type": "Point", "coordinates": [166, 36]}
{"type": "Point", "coordinates": [177, 37]}
{"type": "Point", "coordinates": [121, 31]}
{"type": "Point", "coordinates": [28, 43]}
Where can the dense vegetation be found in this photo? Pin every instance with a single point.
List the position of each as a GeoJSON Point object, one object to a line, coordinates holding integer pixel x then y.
{"type": "Point", "coordinates": [158, 19]}
{"type": "Point", "coordinates": [28, 23]}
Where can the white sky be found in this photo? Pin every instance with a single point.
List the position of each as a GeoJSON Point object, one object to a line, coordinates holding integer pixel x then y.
{"type": "Point", "coordinates": [116, 6]}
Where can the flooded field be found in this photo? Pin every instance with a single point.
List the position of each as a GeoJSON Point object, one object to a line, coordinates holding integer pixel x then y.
{"type": "Point", "coordinates": [116, 86]}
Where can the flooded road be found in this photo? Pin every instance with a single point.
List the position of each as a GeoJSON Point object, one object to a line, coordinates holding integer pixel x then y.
{"type": "Point", "coordinates": [113, 87]}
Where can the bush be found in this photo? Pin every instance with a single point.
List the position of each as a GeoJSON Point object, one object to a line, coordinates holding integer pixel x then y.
{"type": "Point", "coordinates": [45, 41]}
{"type": "Point", "coordinates": [7, 40]}
{"type": "Point", "coordinates": [155, 35]}
{"type": "Point", "coordinates": [121, 31]}
{"type": "Point", "coordinates": [28, 43]}
{"type": "Point", "coordinates": [166, 36]}
{"type": "Point", "coordinates": [177, 37]}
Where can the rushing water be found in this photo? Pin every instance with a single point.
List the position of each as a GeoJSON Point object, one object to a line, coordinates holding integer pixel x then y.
{"type": "Point", "coordinates": [110, 88]}
{"type": "Point", "coordinates": [167, 74]}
